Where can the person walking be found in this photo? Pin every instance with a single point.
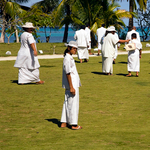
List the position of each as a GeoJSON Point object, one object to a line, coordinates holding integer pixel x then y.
{"type": "Point", "coordinates": [100, 34]}
{"type": "Point", "coordinates": [71, 83]}
{"type": "Point", "coordinates": [134, 56]}
{"type": "Point", "coordinates": [87, 29]}
{"type": "Point", "coordinates": [27, 61]}
{"type": "Point", "coordinates": [82, 41]}
{"type": "Point", "coordinates": [108, 50]}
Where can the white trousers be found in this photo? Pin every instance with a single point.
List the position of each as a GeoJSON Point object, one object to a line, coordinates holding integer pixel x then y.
{"type": "Point", "coordinates": [70, 109]}
{"type": "Point", "coordinates": [107, 64]}
{"type": "Point", "coordinates": [28, 75]}
{"type": "Point", "coordinates": [83, 53]}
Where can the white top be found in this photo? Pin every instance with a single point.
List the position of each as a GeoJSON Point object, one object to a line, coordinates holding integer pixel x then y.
{"type": "Point", "coordinates": [88, 31]}
{"type": "Point", "coordinates": [128, 37]}
{"type": "Point", "coordinates": [70, 67]}
{"type": "Point", "coordinates": [81, 38]}
{"type": "Point", "coordinates": [108, 47]}
{"type": "Point", "coordinates": [25, 57]}
{"type": "Point", "coordinates": [118, 44]}
{"type": "Point", "coordinates": [138, 45]}
{"type": "Point", "coordinates": [100, 33]}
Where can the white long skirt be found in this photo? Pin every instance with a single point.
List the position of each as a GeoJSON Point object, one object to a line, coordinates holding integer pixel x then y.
{"type": "Point", "coordinates": [28, 75]}
{"type": "Point", "coordinates": [133, 61]}
{"type": "Point", "coordinates": [107, 64]}
{"type": "Point", "coordinates": [70, 109]}
{"type": "Point", "coordinates": [83, 53]}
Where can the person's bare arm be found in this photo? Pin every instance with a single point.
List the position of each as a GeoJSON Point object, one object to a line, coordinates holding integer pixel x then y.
{"type": "Point", "coordinates": [140, 53]}
{"type": "Point", "coordinates": [34, 49]}
{"type": "Point", "coordinates": [72, 90]}
{"type": "Point", "coordinates": [123, 41]}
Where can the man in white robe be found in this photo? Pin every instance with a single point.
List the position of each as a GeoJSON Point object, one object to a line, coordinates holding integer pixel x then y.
{"type": "Point", "coordinates": [134, 56]}
{"type": "Point", "coordinates": [82, 41]}
{"type": "Point", "coordinates": [87, 29]}
{"type": "Point", "coordinates": [100, 33]}
{"type": "Point", "coordinates": [108, 50]}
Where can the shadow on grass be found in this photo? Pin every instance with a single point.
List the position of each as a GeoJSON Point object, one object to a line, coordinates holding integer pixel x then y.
{"type": "Point", "coordinates": [100, 62]}
{"type": "Point", "coordinates": [16, 82]}
{"type": "Point", "coordinates": [122, 62]}
{"type": "Point", "coordinates": [46, 66]}
{"type": "Point", "coordinates": [121, 74]}
{"type": "Point", "coordinates": [99, 73]}
{"type": "Point", "coordinates": [55, 121]}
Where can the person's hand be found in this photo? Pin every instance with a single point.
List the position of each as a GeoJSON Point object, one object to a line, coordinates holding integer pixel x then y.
{"type": "Point", "coordinates": [72, 91]}
{"type": "Point", "coordinates": [140, 56]}
{"type": "Point", "coordinates": [128, 40]}
{"type": "Point", "coordinates": [118, 47]}
{"type": "Point", "coordinates": [35, 53]}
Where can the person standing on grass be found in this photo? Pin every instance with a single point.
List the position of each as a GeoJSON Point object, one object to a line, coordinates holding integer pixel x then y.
{"type": "Point", "coordinates": [134, 56]}
{"type": "Point", "coordinates": [100, 34]}
{"type": "Point", "coordinates": [71, 83]}
{"type": "Point", "coordinates": [27, 61]}
{"type": "Point", "coordinates": [82, 41]}
{"type": "Point", "coordinates": [108, 50]}
{"type": "Point", "coordinates": [87, 29]}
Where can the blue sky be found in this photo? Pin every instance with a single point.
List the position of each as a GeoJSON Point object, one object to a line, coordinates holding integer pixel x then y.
{"type": "Point", "coordinates": [124, 5]}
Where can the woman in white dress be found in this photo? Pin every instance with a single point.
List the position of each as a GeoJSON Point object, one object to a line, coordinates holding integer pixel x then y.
{"type": "Point", "coordinates": [134, 56]}
{"type": "Point", "coordinates": [27, 61]}
{"type": "Point", "coordinates": [108, 50]}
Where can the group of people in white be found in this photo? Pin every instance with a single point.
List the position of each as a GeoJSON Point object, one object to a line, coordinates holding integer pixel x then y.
{"type": "Point", "coordinates": [108, 40]}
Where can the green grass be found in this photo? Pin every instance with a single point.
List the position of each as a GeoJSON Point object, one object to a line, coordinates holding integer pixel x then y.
{"type": "Point", "coordinates": [47, 48]}
{"type": "Point", "coordinates": [114, 110]}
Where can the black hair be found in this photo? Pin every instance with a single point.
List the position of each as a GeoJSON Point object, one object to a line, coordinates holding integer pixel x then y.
{"type": "Point", "coordinates": [103, 25]}
{"type": "Point", "coordinates": [83, 27]}
{"type": "Point", "coordinates": [134, 35]}
{"type": "Point", "coordinates": [87, 25]}
{"type": "Point", "coordinates": [67, 50]}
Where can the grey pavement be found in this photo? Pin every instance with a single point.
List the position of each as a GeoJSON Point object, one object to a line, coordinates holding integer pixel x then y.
{"type": "Point", "coordinates": [61, 56]}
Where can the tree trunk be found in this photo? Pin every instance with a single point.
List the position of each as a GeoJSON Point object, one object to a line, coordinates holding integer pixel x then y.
{"type": "Point", "coordinates": [131, 2]}
{"type": "Point", "coordinates": [65, 33]}
{"type": "Point", "coordinates": [67, 24]}
{"type": "Point", "coordinates": [2, 39]}
{"type": "Point", "coordinates": [17, 37]}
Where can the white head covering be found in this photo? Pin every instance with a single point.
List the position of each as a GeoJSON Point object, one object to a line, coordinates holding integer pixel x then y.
{"type": "Point", "coordinates": [72, 44]}
{"type": "Point", "coordinates": [111, 28]}
{"type": "Point", "coordinates": [28, 25]}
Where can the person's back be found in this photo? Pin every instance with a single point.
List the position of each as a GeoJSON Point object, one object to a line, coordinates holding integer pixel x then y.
{"type": "Point", "coordinates": [100, 33]}
{"type": "Point", "coordinates": [81, 38]}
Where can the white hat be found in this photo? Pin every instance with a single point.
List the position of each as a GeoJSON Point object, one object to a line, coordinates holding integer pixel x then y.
{"type": "Point", "coordinates": [111, 28]}
{"type": "Point", "coordinates": [28, 25]}
{"type": "Point", "coordinates": [72, 44]}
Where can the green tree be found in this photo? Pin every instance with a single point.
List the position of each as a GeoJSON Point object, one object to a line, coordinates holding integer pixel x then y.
{"type": "Point", "coordinates": [7, 8]}
{"type": "Point", "coordinates": [132, 7]}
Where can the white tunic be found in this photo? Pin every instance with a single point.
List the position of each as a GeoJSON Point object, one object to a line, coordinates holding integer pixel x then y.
{"type": "Point", "coordinates": [25, 57]}
{"type": "Point", "coordinates": [100, 33]}
{"type": "Point", "coordinates": [88, 31]}
{"type": "Point", "coordinates": [81, 38]}
{"type": "Point", "coordinates": [70, 109]}
{"type": "Point", "coordinates": [108, 52]}
{"type": "Point", "coordinates": [116, 46]}
{"type": "Point", "coordinates": [133, 57]}
{"type": "Point", "coordinates": [128, 37]}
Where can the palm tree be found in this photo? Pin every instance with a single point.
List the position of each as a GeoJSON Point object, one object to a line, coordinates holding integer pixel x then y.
{"type": "Point", "coordinates": [7, 8]}
{"type": "Point", "coordinates": [133, 7]}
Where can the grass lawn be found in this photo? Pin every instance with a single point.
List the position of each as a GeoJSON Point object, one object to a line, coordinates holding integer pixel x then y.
{"type": "Point", "coordinates": [114, 110]}
{"type": "Point", "coordinates": [47, 48]}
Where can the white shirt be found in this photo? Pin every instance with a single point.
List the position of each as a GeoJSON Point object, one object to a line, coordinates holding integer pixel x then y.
{"type": "Point", "coordinates": [108, 47]}
{"type": "Point", "coordinates": [88, 31]}
{"type": "Point", "coordinates": [128, 37]}
{"type": "Point", "coordinates": [81, 38]}
{"type": "Point", "coordinates": [100, 33]}
{"type": "Point", "coordinates": [25, 57]}
{"type": "Point", "coordinates": [70, 67]}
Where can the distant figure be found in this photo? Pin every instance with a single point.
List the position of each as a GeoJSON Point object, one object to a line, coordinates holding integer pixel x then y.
{"type": "Point", "coordinates": [87, 29]}
{"type": "Point", "coordinates": [108, 50]}
{"type": "Point", "coordinates": [27, 61]}
{"type": "Point", "coordinates": [100, 33]}
{"type": "Point", "coordinates": [82, 41]}
{"type": "Point", "coordinates": [134, 56]}
{"type": "Point", "coordinates": [128, 37]}
{"type": "Point", "coordinates": [116, 49]}
{"type": "Point", "coordinates": [71, 83]}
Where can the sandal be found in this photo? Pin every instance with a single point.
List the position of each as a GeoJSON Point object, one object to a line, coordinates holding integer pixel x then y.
{"type": "Point", "coordinates": [77, 128]}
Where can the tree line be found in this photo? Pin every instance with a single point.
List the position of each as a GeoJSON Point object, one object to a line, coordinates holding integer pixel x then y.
{"type": "Point", "coordinates": [55, 13]}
